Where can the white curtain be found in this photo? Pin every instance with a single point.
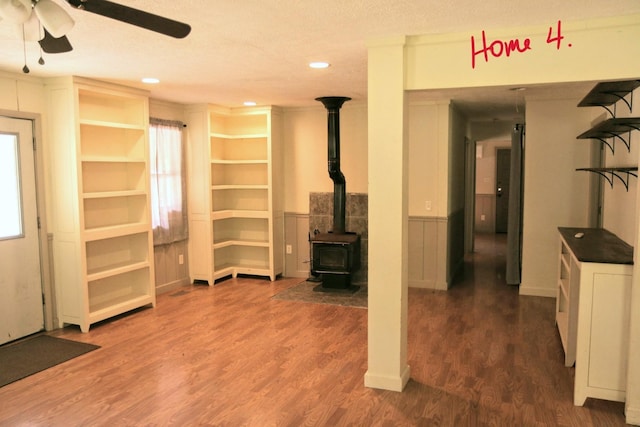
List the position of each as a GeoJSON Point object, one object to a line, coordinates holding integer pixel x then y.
{"type": "Point", "coordinates": [168, 196]}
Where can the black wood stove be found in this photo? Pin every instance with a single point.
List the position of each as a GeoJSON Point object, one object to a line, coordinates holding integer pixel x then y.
{"type": "Point", "coordinates": [335, 255]}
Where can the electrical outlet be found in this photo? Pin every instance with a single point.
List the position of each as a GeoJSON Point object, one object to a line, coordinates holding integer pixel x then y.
{"type": "Point", "coordinates": [289, 249]}
{"type": "Point", "coordinates": [427, 205]}
{"type": "Point", "coordinates": [180, 259]}
{"type": "Point", "coordinates": [483, 217]}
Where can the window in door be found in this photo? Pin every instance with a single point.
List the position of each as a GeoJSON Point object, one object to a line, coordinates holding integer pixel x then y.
{"type": "Point", "coordinates": [11, 212]}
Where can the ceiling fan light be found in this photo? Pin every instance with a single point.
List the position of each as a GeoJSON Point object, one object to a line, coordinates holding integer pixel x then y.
{"type": "Point", "coordinates": [53, 17]}
{"type": "Point", "coordinates": [16, 11]}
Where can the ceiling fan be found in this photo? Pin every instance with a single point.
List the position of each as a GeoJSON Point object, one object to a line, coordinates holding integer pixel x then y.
{"type": "Point", "coordinates": [56, 22]}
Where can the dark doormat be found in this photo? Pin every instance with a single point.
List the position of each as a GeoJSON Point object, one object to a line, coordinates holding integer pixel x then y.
{"type": "Point", "coordinates": [34, 354]}
{"type": "Point", "coordinates": [304, 292]}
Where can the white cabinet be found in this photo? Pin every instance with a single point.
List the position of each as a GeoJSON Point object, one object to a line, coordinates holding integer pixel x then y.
{"type": "Point", "coordinates": [594, 288]}
{"type": "Point", "coordinates": [236, 215]}
{"type": "Point", "coordinates": [567, 302]}
{"type": "Point", "coordinates": [103, 245]}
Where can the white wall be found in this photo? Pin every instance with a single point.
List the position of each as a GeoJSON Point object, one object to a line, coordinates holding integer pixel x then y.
{"type": "Point", "coordinates": [555, 195]}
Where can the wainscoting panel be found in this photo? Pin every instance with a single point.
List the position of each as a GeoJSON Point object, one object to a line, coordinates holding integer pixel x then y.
{"type": "Point", "coordinates": [432, 262]}
{"type": "Point", "coordinates": [296, 237]}
{"type": "Point", "coordinates": [427, 252]}
{"type": "Point", "coordinates": [170, 274]}
{"type": "Point", "coordinates": [485, 213]}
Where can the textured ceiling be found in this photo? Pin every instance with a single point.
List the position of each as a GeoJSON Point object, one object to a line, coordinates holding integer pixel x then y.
{"type": "Point", "coordinates": [259, 49]}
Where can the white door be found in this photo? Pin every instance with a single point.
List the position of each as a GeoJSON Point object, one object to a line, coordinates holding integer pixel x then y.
{"type": "Point", "coordinates": [21, 307]}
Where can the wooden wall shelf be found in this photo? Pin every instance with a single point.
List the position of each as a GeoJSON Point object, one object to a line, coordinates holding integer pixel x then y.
{"type": "Point", "coordinates": [606, 94]}
{"type": "Point", "coordinates": [613, 128]}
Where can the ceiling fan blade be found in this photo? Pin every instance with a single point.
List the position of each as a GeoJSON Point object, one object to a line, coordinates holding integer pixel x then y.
{"type": "Point", "coordinates": [133, 16]}
{"type": "Point", "coordinates": [50, 44]}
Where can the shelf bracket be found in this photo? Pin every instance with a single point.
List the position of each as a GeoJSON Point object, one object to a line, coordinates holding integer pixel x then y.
{"type": "Point", "coordinates": [626, 142]}
{"type": "Point", "coordinates": [612, 113]}
{"type": "Point", "coordinates": [612, 145]}
{"type": "Point", "coordinates": [622, 174]}
{"type": "Point", "coordinates": [621, 95]}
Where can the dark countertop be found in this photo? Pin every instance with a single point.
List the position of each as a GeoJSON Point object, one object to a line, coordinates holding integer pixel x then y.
{"type": "Point", "coordinates": [597, 245]}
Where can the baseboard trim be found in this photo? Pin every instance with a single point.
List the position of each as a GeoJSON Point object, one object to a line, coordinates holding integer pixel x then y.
{"type": "Point", "coordinates": [537, 292]}
{"type": "Point", "coordinates": [385, 382]}
{"type": "Point", "coordinates": [428, 284]}
{"type": "Point", "coordinates": [423, 284]}
{"type": "Point", "coordinates": [168, 287]}
{"type": "Point", "coordinates": [632, 415]}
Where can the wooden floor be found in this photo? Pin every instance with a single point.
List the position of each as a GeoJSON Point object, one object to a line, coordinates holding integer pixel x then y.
{"type": "Point", "coordinates": [229, 355]}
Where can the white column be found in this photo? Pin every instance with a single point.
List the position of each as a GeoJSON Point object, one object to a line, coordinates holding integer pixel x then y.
{"type": "Point", "coordinates": [388, 217]}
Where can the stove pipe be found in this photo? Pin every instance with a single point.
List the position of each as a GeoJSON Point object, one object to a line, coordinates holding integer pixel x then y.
{"type": "Point", "coordinates": [333, 104]}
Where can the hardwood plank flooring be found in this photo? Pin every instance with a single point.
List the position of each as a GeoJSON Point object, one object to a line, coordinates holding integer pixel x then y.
{"type": "Point", "coordinates": [230, 355]}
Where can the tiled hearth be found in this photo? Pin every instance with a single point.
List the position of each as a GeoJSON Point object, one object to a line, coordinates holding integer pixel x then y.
{"type": "Point", "coordinates": [321, 219]}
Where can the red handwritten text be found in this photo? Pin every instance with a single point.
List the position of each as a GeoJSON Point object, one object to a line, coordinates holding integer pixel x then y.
{"type": "Point", "coordinates": [497, 48]}
{"type": "Point", "coordinates": [558, 37]}
{"type": "Point", "coordinates": [488, 49]}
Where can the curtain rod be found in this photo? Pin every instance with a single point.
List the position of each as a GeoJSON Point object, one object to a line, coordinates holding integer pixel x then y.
{"type": "Point", "coordinates": [157, 121]}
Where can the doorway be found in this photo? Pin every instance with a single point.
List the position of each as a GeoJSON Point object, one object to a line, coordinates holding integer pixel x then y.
{"type": "Point", "coordinates": [21, 285]}
{"type": "Point", "coordinates": [498, 193]}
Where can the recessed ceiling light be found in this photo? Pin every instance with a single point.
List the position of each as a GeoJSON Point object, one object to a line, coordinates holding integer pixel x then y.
{"type": "Point", "coordinates": [319, 64]}
{"type": "Point", "coordinates": [150, 80]}
{"type": "Point", "coordinates": [250, 103]}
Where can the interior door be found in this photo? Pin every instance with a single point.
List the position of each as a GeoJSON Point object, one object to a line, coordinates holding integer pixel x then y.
{"type": "Point", "coordinates": [21, 305]}
{"type": "Point", "coordinates": [503, 169]}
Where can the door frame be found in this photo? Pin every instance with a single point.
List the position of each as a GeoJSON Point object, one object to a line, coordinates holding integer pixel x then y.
{"type": "Point", "coordinates": [498, 198]}
{"type": "Point", "coordinates": [45, 241]}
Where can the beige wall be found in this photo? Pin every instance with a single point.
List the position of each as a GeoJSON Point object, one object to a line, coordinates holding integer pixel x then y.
{"type": "Point", "coordinates": [617, 216]}
{"type": "Point", "coordinates": [428, 144]}
{"type": "Point", "coordinates": [305, 153]}
{"type": "Point", "coordinates": [555, 195]}
{"type": "Point", "coordinates": [498, 130]}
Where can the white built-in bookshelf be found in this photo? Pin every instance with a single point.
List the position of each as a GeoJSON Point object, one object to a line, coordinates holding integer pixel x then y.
{"type": "Point", "coordinates": [236, 220]}
{"type": "Point", "coordinates": [103, 243]}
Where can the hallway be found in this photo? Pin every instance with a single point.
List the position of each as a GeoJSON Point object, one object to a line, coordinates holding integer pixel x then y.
{"type": "Point", "coordinates": [496, 351]}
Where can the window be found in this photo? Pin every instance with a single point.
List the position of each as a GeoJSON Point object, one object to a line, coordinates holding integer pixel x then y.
{"type": "Point", "coordinates": [11, 212]}
{"type": "Point", "coordinates": [168, 201]}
